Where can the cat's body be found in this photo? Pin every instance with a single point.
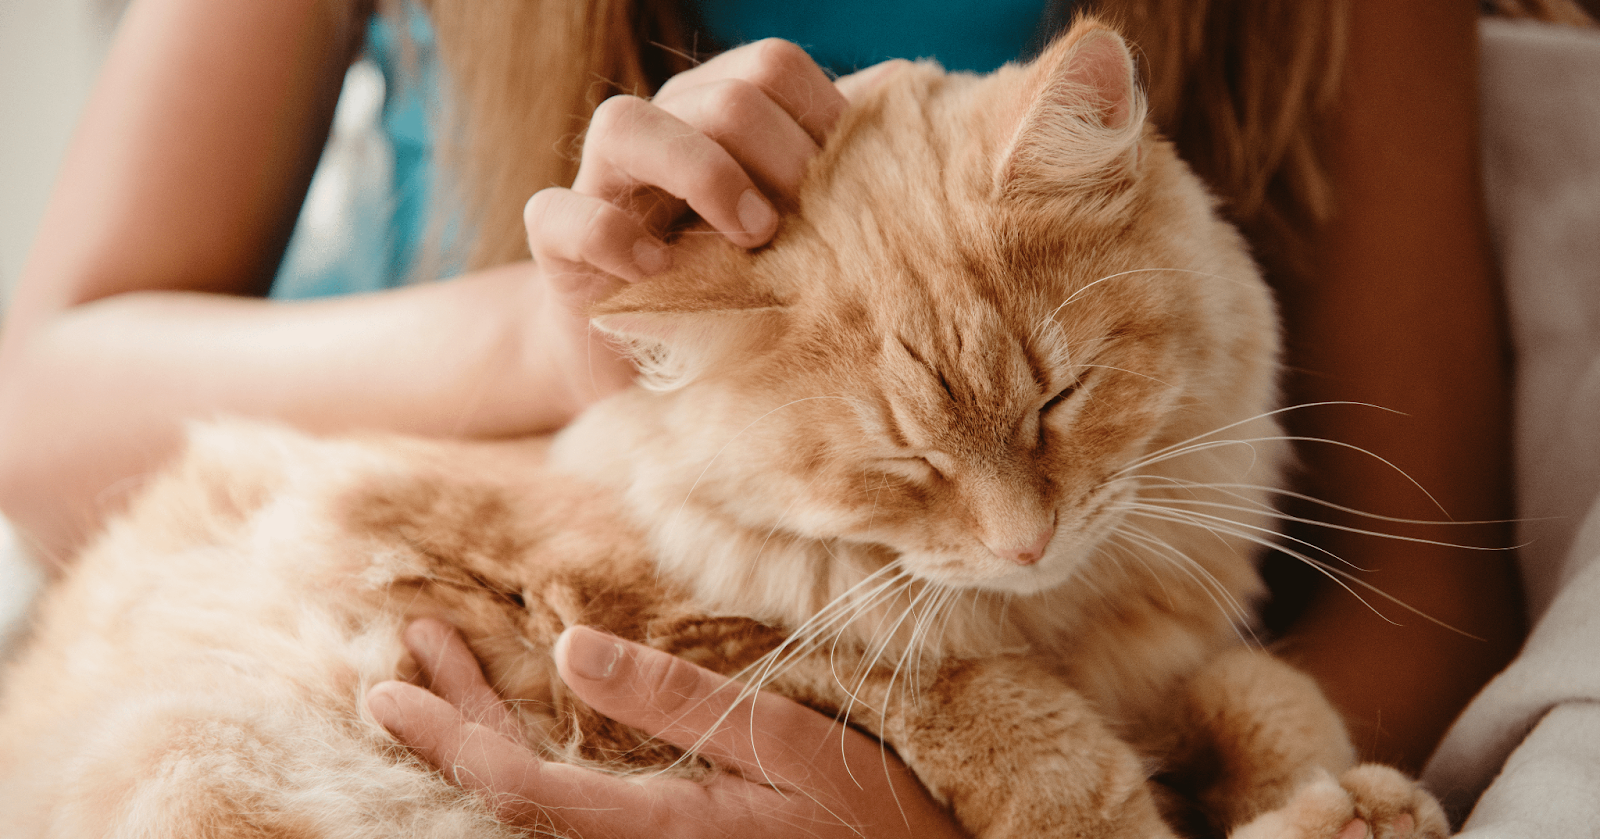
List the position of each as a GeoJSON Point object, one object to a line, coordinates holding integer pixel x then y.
{"type": "Point", "coordinates": [986, 433]}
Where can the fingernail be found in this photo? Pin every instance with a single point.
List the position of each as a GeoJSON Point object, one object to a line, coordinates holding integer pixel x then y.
{"type": "Point", "coordinates": [651, 257]}
{"type": "Point", "coordinates": [756, 214]}
{"type": "Point", "coordinates": [592, 655]}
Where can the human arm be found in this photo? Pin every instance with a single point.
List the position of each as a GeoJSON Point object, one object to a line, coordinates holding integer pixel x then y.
{"type": "Point", "coordinates": [1406, 315]}
{"type": "Point", "coordinates": [790, 770]}
{"type": "Point", "coordinates": [104, 389]}
{"type": "Point", "coordinates": [185, 175]}
{"type": "Point", "coordinates": [134, 313]}
{"type": "Point", "coordinates": [137, 312]}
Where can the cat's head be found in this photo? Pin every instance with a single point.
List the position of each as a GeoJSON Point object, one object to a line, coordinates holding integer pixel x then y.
{"type": "Point", "coordinates": [997, 295]}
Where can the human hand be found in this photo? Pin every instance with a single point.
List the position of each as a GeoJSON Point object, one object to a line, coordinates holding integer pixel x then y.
{"type": "Point", "coordinates": [791, 772]}
{"type": "Point", "coordinates": [728, 139]}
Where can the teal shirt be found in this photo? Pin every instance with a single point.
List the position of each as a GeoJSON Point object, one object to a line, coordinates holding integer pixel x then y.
{"type": "Point", "coordinates": [378, 231]}
{"type": "Point", "coordinates": [382, 232]}
{"type": "Point", "coordinates": [846, 35]}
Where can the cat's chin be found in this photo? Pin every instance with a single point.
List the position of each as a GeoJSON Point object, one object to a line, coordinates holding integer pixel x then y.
{"type": "Point", "coordinates": [990, 574]}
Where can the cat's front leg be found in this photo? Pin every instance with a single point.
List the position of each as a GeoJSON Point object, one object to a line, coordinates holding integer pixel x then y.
{"type": "Point", "coordinates": [1011, 750]}
{"type": "Point", "coordinates": [1278, 763]}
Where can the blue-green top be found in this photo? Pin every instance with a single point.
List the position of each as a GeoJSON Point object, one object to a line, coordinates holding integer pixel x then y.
{"type": "Point", "coordinates": [846, 35]}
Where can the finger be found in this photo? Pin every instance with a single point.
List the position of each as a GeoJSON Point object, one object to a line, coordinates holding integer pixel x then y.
{"type": "Point", "coordinates": [743, 119]}
{"type": "Point", "coordinates": [788, 75]}
{"type": "Point", "coordinates": [763, 736]}
{"type": "Point", "coordinates": [519, 786]}
{"type": "Point", "coordinates": [579, 229]}
{"type": "Point", "coordinates": [862, 82]}
{"type": "Point", "coordinates": [632, 143]}
{"type": "Point", "coordinates": [454, 674]}
{"type": "Point", "coordinates": [473, 755]}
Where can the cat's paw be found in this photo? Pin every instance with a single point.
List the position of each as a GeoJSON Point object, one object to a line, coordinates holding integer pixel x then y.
{"type": "Point", "coordinates": [1395, 806]}
{"type": "Point", "coordinates": [1367, 802]}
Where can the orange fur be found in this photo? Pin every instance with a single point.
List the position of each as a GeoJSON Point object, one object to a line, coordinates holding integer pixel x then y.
{"type": "Point", "coordinates": [985, 434]}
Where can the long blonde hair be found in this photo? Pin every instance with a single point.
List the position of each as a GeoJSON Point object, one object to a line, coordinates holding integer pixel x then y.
{"type": "Point", "coordinates": [1240, 86]}
{"type": "Point", "coordinates": [522, 78]}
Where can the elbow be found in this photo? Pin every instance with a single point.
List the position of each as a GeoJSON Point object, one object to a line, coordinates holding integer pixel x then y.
{"type": "Point", "coordinates": [45, 524]}
{"type": "Point", "coordinates": [19, 508]}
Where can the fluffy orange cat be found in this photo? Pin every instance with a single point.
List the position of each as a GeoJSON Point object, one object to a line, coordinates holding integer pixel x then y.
{"type": "Point", "coordinates": [986, 434]}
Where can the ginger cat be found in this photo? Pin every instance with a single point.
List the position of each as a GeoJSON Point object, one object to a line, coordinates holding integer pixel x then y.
{"type": "Point", "coordinates": [985, 434]}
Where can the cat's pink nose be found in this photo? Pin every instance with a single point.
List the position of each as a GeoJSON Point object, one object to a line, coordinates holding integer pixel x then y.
{"type": "Point", "coordinates": [1029, 554]}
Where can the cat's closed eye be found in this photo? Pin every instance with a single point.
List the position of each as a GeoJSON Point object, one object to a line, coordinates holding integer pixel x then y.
{"type": "Point", "coordinates": [1060, 398]}
{"type": "Point", "coordinates": [1063, 397]}
{"type": "Point", "coordinates": [914, 467]}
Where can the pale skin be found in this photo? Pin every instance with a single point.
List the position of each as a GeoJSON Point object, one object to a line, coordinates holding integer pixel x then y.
{"type": "Point", "coordinates": [136, 312]}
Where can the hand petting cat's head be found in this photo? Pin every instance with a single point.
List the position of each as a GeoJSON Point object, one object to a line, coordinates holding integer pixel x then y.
{"type": "Point", "coordinates": [997, 297]}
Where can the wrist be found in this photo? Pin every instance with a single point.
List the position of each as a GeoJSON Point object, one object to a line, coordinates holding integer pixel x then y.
{"type": "Point", "coordinates": [581, 365]}
{"type": "Point", "coordinates": [519, 382]}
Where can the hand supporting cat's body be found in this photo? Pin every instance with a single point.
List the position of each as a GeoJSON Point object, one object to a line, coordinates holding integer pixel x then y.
{"type": "Point", "coordinates": [978, 453]}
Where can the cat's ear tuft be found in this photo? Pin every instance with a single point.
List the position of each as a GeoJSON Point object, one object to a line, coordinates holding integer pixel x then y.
{"type": "Point", "coordinates": [1082, 116]}
{"type": "Point", "coordinates": [672, 347]}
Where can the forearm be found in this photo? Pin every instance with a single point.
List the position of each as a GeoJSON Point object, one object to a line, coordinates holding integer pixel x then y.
{"type": "Point", "coordinates": [99, 396]}
{"type": "Point", "coordinates": [1407, 317]}
{"type": "Point", "coordinates": [191, 158]}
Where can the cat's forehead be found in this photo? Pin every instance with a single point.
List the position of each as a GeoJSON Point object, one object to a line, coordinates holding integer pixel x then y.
{"type": "Point", "coordinates": [915, 153]}
{"type": "Point", "coordinates": [934, 367]}
{"type": "Point", "coordinates": [947, 384]}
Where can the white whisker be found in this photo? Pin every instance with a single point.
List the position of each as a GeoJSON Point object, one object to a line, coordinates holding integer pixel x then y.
{"type": "Point", "coordinates": [1238, 615]}
{"type": "Point", "coordinates": [1148, 504]}
{"type": "Point", "coordinates": [1246, 421]}
{"type": "Point", "coordinates": [1333, 574]}
{"type": "Point", "coordinates": [1120, 274]}
{"type": "Point", "coordinates": [1328, 525]}
{"type": "Point", "coordinates": [1311, 499]}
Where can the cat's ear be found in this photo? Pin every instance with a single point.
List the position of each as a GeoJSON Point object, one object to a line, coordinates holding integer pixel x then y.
{"type": "Point", "coordinates": [672, 343]}
{"type": "Point", "coordinates": [1082, 116]}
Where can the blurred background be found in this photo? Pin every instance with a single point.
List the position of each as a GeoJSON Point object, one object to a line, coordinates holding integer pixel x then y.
{"type": "Point", "coordinates": [49, 52]}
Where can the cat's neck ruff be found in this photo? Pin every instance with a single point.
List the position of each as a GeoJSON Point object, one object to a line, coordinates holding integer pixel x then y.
{"type": "Point", "coordinates": [822, 590]}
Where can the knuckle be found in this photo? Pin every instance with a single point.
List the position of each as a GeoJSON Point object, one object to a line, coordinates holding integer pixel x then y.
{"type": "Point", "coordinates": [774, 58]}
{"type": "Point", "coordinates": [547, 223]}
{"type": "Point", "coordinates": [668, 684]}
{"type": "Point", "coordinates": [590, 244]}
{"type": "Point", "coordinates": [537, 209]}
{"type": "Point", "coordinates": [713, 167]}
{"type": "Point", "coordinates": [599, 237]}
{"type": "Point", "coordinates": [671, 86]}
{"type": "Point", "coordinates": [614, 114]}
{"type": "Point", "coordinates": [535, 219]}
{"type": "Point", "coordinates": [734, 103]}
